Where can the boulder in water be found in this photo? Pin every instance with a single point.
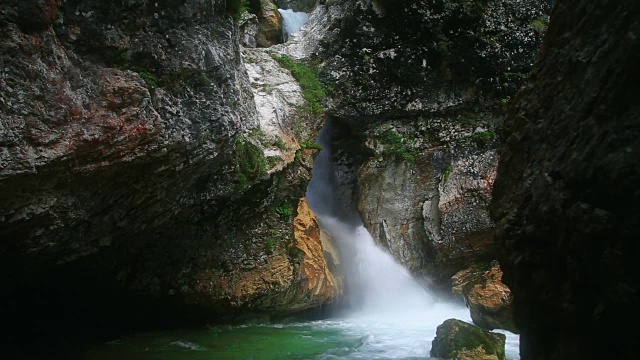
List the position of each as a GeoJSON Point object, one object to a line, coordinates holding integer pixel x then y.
{"type": "Point", "coordinates": [458, 340]}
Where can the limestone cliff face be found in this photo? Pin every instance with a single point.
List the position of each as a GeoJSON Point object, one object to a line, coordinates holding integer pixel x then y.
{"type": "Point", "coordinates": [421, 87]}
{"type": "Point", "coordinates": [566, 196]}
{"type": "Point", "coordinates": [136, 170]}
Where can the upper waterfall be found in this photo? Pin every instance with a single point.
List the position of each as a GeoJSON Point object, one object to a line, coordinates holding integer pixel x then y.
{"type": "Point", "coordinates": [376, 283]}
{"type": "Point", "coordinates": [292, 21]}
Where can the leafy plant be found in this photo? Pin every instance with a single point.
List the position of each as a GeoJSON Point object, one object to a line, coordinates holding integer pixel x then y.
{"type": "Point", "coordinates": [483, 138]}
{"type": "Point", "coordinates": [284, 211]}
{"type": "Point", "coordinates": [540, 24]}
{"type": "Point", "coordinates": [149, 79]}
{"type": "Point", "coordinates": [395, 145]}
{"type": "Point", "coordinates": [250, 162]}
{"type": "Point", "coordinates": [280, 144]}
{"type": "Point", "coordinates": [309, 145]}
{"type": "Point", "coordinates": [447, 172]}
{"type": "Point", "coordinates": [270, 245]}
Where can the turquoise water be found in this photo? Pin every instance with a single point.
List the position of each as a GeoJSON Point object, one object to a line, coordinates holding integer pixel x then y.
{"type": "Point", "coordinates": [355, 337]}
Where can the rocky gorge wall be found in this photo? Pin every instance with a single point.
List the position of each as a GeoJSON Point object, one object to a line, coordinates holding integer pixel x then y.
{"type": "Point", "coordinates": [566, 195]}
{"type": "Point", "coordinates": [142, 173]}
{"type": "Point", "coordinates": [419, 88]}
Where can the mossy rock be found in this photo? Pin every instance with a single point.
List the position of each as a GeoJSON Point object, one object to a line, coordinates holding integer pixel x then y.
{"type": "Point", "coordinates": [458, 340]}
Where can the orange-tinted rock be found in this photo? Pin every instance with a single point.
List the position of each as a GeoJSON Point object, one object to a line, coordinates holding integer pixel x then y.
{"type": "Point", "coordinates": [294, 275]}
{"type": "Point", "coordinates": [315, 278]}
{"type": "Point", "coordinates": [270, 26]}
{"type": "Point", "coordinates": [489, 300]}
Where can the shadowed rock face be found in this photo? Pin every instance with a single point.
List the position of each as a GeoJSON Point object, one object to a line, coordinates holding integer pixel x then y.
{"type": "Point", "coordinates": [566, 196]}
{"type": "Point", "coordinates": [137, 176]}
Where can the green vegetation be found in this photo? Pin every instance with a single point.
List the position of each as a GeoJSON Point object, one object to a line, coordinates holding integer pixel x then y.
{"type": "Point", "coordinates": [540, 24]}
{"type": "Point", "coordinates": [312, 88]}
{"type": "Point", "coordinates": [237, 7]}
{"type": "Point", "coordinates": [447, 172]}
{"type": "Point", "coordinates": [284, 211]}
{"type": "Point", "coordinates": [483, 138]}
{"type": "Point", "coordinates": [310, 145]}
{"type": "Point", "coordinates": [250, 162]}
{"type": "Point", "coordinates": [514, 75]}
{"type": "Point", "coordinates": [270, 245]}
{"type": "Point", "coordinates": [149, 79]}
{"type": "Point", "coordinates": [505, 100]}
{"type": "Point", "coordinates": [280, 144]}
{"type": "Point", "coordinates": [474, 337]}
{"type": "Point", "coordinates": [397, 146]}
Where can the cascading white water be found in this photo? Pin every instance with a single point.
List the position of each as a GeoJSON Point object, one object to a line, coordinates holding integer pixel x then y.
{"type": "Point", "coordinates": [376, 284]}
{"type": "Point", "coordinates": [399, 315]}
{"type": "Point", "coordinates": [292, 21]}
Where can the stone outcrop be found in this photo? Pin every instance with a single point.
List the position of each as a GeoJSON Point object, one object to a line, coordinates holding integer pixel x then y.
{"type": "Point", "coordinates": [566, 196]}
{"type": "Point", "coordinates": [137, 175]}
{"type": "Point", "coordinates": [249, 27]}
{"type": "Point", "coordinates": [420, 86]}
{"type": "Point", "coordinates": [269, 24]}
{"type": "Point", "coordinates": [488, 298]}
{"type": "Point", "coordinates": [458, 340]}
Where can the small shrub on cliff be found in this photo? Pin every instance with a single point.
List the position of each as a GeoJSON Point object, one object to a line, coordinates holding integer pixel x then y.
{"type": "Point", "coordinates": [149, 79]}
{"type": "Point", "coordinates": [284, 211]}
{"type": "Point", "coordinates": [483, 138]}
{"type": "Point", "coordinates": [250, 162]}
{"type": "Point", "coordinates": [540, 24]}
{"type": "Point", "coordinates": [312, 88]}
{"type": "Point", "coordinates": [397, 146]}
{"type": "Point", "coordinates": [280, 144]}
{"type": "Point", "coordinates": [310, 145]}
{"type": "Point", "coordinates": [270, 245]}
{"type": "Point", "coordinates": [447, 172]}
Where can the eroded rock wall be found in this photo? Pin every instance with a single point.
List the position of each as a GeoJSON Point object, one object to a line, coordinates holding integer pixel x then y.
{"type": "Point", "coordinates": [137, 175]}
{"type": "Point", "coordinates": [566, 196]}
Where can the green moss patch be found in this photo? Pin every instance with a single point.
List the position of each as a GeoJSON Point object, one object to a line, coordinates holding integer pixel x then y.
{"type": "Point", "coordinates": [313, 90]}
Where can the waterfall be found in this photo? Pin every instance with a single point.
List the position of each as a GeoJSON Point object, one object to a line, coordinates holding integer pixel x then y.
{"type": "Point", "coordinates": [376, 284]}
{"type": "Point", "coordinates": [291, 22]}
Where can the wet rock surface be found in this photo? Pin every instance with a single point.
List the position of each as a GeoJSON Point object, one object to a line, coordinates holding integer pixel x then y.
{"type": "Point", "coordinates": [488, 298]}
{"type": "Point", "coordinates": [566, 195]}
{"type": "Point", "coordinates": [458, 340]}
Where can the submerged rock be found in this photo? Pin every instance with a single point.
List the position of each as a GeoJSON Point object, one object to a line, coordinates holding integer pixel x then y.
{"type": "Point", "coordinates": [458, 340]}
{"type": "Point", "coordinates": [488, 298]}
